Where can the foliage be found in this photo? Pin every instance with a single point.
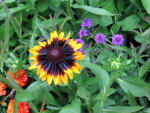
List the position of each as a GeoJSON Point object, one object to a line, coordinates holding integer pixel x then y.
{"type": "Point", "coordinates": [102, 87]}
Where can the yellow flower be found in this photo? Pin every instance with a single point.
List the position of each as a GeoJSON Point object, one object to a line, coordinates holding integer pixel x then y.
{"type": "Point", "coordinates": [55, 59]}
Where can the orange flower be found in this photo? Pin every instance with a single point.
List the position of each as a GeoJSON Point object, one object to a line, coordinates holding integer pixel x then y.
{"type": "Point", "coordinates": [2, 89]}
{"type": "Point", "coordinates": [20, 77]}
{"type": "Point", "coordinates": [23, 107]}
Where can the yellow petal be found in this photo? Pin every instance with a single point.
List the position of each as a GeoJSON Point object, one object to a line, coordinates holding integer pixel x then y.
{"type": "Point", "coordinates": [37, 47]}
{"type": "Point", "coordinates": [42, 43]}
{"type": "Point", "coordinates": [32, 50]}
{"type": "Point", "coordinates": [49, 79]}
{"type": "Point", "coordinates": [49, 41]}
{"type": "Point", "coordinates": [68, 36]}
{"type": "Point", "coordinates": [43, 78]}
{"type": "Point", "coordinates": [61, 35]}
{"type": "Point", "coordinates": [33, 66]}
{"type": "Point", "coordinates": [78, 66]}
{"type": "Point", "coordinates": [39, 70]}
{"type": "Point", "coordinates": [68, 71]}
{"type": "Point", "coordinates": [78, 46]}
{"type": "Point", "coordinates": [72, 42]}
{"type": "Point", "coordinates": [43, 73]}
{"type": "Point", "coordinates": [56, 79]}
{"type": "Point", "coordinates": [55, 34]}
{"type": "Point", "coordinates": [75, 70]}
{"type": "Point", "coordinates": [32, 57]}
{"type": "Point", "coordinates": [64, 78]}
{"type": "Point", "coordinates": [34, 62]}
{"type": "Point", "coordinates": [70, 76]}
{"type": "Point", "coordinates": [78, 55]}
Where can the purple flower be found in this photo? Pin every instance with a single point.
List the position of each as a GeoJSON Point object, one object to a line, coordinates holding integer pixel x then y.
{"type": "Point", "coordinates": [86, 23]}
{"type": "Point", "coordinates": [81, 50]}
{"type": "Point", "coordinates": [42, 39]}
{"type": "Point", "coordinates": [100, 38]}
{"type": "Point", "coordinates": [94, 61]}
{"type": "Point", "coordinates": [83, 32]}
{"type": "Point", "coordinates": [80, 41]}
{"type": "Point", "coordinates": [117, 39]}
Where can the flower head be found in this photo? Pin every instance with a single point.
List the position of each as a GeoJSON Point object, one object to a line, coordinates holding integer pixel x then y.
{"type": "Point", "coordinates": [23, 107]}
{"type": "Point", "coordinates": [20, 77]}
{"type": "Point", "coordinates": [117, 40]}
{"type": "Point", "coordinates": [2, 89]}
{"type": "Point", "coordinates": [115, 64]}
{"type": "Point", "coordinates": [83, 32]}
{"type": "Point", "coordinates": [100, 38]}
{"type": "Point", "coordinates": [55, 60]}
{"type": "Point", "coordinates": [86, 23]}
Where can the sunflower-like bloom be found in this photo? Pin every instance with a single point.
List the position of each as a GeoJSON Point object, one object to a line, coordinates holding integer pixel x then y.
{"type": "Point", "coordinates": [20, 77]}
{"type": "Point", "coordinates": [23, 107]}
{"type": "Point", "coordinates": [55, 59]}
{"type": "Point", "coordinates": [2, 89]}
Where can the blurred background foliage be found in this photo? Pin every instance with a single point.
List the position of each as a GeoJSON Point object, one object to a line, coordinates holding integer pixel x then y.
{"type": "Point", "coordinates": [117, 83]}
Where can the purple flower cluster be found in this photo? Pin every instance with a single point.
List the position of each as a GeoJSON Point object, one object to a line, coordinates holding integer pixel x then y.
{"type": "Point", "coordinates": [83, 32]}
{"type": "Point", "coordinates": [117, 39]}
{"type": "Point", "coordinates": [86, 23]}
{"type": "Point", "coordinates": [100, 38]}
{"type": "Point", "coordinates": [82, 42]}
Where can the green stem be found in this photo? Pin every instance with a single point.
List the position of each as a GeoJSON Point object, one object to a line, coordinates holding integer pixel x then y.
{"type": "Point", "coordinates": [12, 20]}
{"type": "Point", "coordinates": [5, 81]}
{"type": "Point", "coordinates": [59, 94]}
{"type": "Point", "coordinates": [88, 106]}
{"type": "Point", "coordinates": [112, 77]}
{"type": "Point", "coordinates": [70, 14]}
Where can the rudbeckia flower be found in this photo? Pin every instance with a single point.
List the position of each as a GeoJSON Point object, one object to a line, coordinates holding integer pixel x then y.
{"type": "Point", "coordinates": [2, 89]}
{"type": "Point", "coordinates": [23, 107]}
{"type": "Point", "coordinates": [20, 77]}
{"type": "Point", "coordinates": [55, 59]}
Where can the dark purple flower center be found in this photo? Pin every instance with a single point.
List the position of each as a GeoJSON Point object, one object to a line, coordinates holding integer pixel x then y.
{"type": "Point", "coordinates": [117, 40]}
{"type": "Point", "coordinates": [55, 53]}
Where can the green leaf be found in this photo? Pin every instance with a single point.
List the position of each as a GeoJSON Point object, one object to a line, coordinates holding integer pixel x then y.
{"type": "Point", "coordinates": [115, 27]}
{"type": "Point", "coordinates": [55, 3]}
{"type": "Point", "coordinates": [105, 21]}
{"type": "Point", "coordinates": [130, 23]}
{"type": "Point", "coordinates": [74, 107]}
{"type": "Point", "coordinates": [17, 9]}
{"type": "Point", "coordinates": [42, 6]}
{"type": "Point", "coordinates": [48, 23]}
{"type": "Point", "coordinates": [123, 109]}
{"type": "Point", "coordinates": [144, 68]}
{"type": "Point", "coordinates": [83, 93]}
{"type": "Point", "coordinates": [101, 74]}
{"type": "Point", "coordinates": [131, 88]}
{"type": "Point", "coordinates": [136, 81]}
{"type": "Point", "coordinates": [109, 5]}
{"type": "Point", "coordinates": [146, 4]}
{"type": "Point", "coordinates": [97, 11]}
{"type": "Point", "coordinates": [32, 92]}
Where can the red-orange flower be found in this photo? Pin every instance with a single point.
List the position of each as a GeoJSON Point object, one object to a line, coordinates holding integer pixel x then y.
{"type": "Point", "coordinates": [23, 107]}
{"type": "Point", "coordinates": [20, 77]}
{"type": "Point", "coordinates": [2, 89]}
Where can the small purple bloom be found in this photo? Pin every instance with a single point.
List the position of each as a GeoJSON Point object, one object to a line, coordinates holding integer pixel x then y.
{"type": "Point", "coordinates": [94, 61]}
{"type": "Point", "coordinates": [80, 41]}
{"type": "Point", "coordinates": [100, 38]}
{"type": "Point", "coordinates": [83, 32]}
{"type": "Point", "coordinates": [81, 50]}
{"type": "Point", "coordinates": [86, 23]}
{"type": "Point", "coordinates": [117, 39]}
{"type": "Point", "coordinates": [42, 37]}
